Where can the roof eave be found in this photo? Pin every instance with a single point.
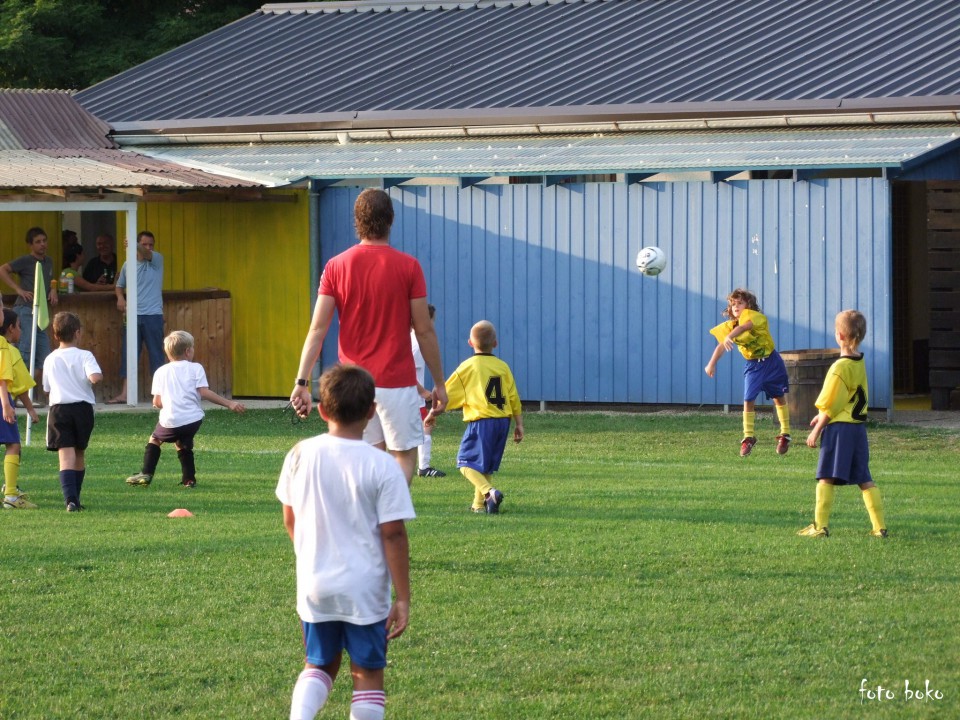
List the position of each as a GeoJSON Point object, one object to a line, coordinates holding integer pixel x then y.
{"type": "Point", "coordinates": [700, 114]}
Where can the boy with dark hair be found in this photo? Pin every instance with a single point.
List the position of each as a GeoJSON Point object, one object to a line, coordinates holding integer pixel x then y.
{"type": "Point", "coordinates": [344, 507]}
{"type": "Point", "coordinates": [69, 375]}
{"type": "Point", "coordinates": [177, 390]}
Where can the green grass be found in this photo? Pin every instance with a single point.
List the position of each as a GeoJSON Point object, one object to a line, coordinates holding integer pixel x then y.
{"type": "Point", "coordinates": [639, 569]}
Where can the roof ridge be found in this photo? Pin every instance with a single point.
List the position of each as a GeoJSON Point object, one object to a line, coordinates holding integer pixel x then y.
{"type": "Point", "coordinates": [336, 6]}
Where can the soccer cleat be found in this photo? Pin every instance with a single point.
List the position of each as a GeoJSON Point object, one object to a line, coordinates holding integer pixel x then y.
{"type": "Point", "coordinates": [18, 502]}
{"type": "Point", "coordinates": [141, 479]}
{"type": "Point", "coordinates": [881, 533]}
{"type": "Point", "coordinates": [783, 444]}
{"type": "Point", "coordinates": [812, 531]}
{"type": "Point", "coordinates": [189, 483]}
{"type": "Point", "coordinates": [746, 446]}
{"type": "Point", "coordinates": [74, 507]}
{"type": "Point", "coordinates": [430, 472]}
{"type": "Point", "coordinates": [492, 503]}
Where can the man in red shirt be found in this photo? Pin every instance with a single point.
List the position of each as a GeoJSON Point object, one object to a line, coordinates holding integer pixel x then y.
{"type": "Point", "coordinates": [377, 291]}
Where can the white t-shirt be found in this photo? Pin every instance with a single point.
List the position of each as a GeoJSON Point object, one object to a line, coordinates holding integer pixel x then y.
{"type": "Point", "coordinates": [178, 384]}
{"type": "Point", "coordinates": [341, 491]}
{"type": "Point", "coordinates": [66, 375]}
{"type": "Point", "coordinates": [418, 361]}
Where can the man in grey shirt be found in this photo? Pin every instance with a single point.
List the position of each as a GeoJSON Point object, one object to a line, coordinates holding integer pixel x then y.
{"type": "Point", "coordinates": [149, 307]}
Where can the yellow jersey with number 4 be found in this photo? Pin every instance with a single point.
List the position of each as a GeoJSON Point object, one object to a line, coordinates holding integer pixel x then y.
{"type": "Point", "coordinates": [484, 387]}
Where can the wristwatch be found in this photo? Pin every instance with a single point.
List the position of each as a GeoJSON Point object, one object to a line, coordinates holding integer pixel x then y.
{"type": "Point", "coordinates": [303, 382]}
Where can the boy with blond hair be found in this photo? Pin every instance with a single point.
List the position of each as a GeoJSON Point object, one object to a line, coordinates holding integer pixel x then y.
{"type": "Point", "coordinates": [178, 388]}
{"type": "Point", "coordinates": [484, 387]}
{"type": "Point", "coordinates": [840, 425]}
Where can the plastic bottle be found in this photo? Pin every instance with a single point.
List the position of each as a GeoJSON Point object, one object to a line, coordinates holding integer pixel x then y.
{"type": "Point", "coordinates": [67, 281]}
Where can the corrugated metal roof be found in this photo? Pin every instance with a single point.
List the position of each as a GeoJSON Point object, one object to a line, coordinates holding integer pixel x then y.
{"type": "Point", "coordinates": [33, 119]}
{"type": "Point", "coordinates": [642, 152]}
{"type": "Point", "coordinates": [346, 59]}
{"type": "Point", "coordinates": [101, 168]}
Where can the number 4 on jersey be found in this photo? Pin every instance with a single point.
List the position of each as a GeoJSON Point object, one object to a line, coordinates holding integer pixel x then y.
{"type": "Point", "coordinates": [494, 392]}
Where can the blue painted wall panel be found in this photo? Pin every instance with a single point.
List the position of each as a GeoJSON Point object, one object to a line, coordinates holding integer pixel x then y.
{"type": "Point", "coordinates": [553, 268]}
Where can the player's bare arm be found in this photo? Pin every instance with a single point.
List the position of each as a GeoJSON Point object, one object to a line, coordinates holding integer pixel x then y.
{"type": "Point", "coordinates": [396, 548]}
{"type": "Point", "coordinates": [818, 424]}
{"type": "Point", "coordinates": [300, 398]}
{"type": "Point", "coordinates": [430, 349]}
{"type": "Point", "coordinates": [289, 520]}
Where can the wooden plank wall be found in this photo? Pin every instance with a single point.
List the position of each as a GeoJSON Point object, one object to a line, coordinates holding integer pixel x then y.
{"type": "Point", "coordinates": [554, 269]}
{"type": "Point", "coordinates": [943, 251]}
{"type": "Point", "coordinates": [205, 314]}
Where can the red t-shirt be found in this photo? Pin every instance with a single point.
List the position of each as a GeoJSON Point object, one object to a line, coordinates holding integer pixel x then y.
{"type": "Point", "coordinates": [372, 286]}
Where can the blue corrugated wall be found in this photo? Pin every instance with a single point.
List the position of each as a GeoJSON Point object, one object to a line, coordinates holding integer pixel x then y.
{"type": "Point", "coordinates": [553, 268]}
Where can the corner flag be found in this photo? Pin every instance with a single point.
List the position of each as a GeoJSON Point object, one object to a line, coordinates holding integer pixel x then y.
{"type": "Point", "coordinates": [41, 314]}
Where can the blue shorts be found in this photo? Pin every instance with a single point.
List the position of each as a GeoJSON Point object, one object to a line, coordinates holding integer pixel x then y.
{"type": "Point", "coordinates": [481, 447]}
{"type": "Point", "coordinates": [9, 432]}
{"type": "Point", "coordinates": [768, 374]}
{"type": "Point", "coordinates": [326, 641]}
{"type": "Point", "coordinates": [844, 454]}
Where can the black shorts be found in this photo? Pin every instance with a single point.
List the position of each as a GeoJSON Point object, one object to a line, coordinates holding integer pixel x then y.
{"type": "Point", "coordinates": [69, 425]}
{"type": "Point", "coordinates": [182, 435]}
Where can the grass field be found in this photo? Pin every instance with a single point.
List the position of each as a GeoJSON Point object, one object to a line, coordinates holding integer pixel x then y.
{"type": "Point", "coordinates": [639, 569]}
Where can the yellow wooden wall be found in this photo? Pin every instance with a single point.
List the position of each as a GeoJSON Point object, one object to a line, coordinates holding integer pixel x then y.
{"type": "Point", "coordinates": [13, 233]}
{"type": "Point", "coordinates": [259, 251]}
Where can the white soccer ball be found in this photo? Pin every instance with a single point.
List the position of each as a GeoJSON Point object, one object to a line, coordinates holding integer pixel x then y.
{"type": "Point", "coordinates": [651, 261]}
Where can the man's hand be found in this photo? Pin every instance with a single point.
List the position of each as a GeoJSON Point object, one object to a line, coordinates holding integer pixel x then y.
{"type": "Point", "coordinates": [300, 400]}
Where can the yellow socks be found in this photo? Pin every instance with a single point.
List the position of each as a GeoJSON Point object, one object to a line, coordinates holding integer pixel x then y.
{"type": "Point", "coordinates": [480, 482]}
{"type": "Point", "coordinates": [783, 415]}
{"type": "Point", "coordinates": [871, 498]}
{"type": "Point", "coordinates": [749, 424]}
{"type": "Point", "coordinates": [11, 473]}
{"type": "Point", "coordinates": [821, 515]}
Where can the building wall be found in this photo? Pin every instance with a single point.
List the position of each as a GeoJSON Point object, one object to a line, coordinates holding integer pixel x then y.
{"type": "Point", "coordinates": [553, 268]}
{"type": "Point", "coordinates": [259, 252]}
{"type": "Point", "coordinates": [13, 233]}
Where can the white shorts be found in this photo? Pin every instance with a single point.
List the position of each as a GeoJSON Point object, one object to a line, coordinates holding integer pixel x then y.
{"type": "Point", "coordinates": [397, 422]}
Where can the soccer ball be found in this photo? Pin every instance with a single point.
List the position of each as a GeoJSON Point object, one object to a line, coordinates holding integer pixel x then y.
{"type": "Point", "coordinates": [651, 261]}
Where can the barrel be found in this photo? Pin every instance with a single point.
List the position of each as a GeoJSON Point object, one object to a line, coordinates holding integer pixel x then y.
{"type": "Point", "coordinates": [806, 371]}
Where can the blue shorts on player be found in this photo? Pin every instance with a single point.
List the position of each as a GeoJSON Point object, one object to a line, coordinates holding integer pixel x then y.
{"type": "Point", "coordinates": [768, 375]}
{"type": "Point", "coordinates": [481, 447]}
{"type": "Point", "coordinates": [844, 454]}
{"type": "Point", "coordinates": [365, 644]}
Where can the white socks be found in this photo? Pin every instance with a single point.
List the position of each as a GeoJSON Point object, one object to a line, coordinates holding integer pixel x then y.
{"type": "Point", "coordinates": [309, 694]}
{"type": "Point", "coordinates": [424, 451]}
{"type": "Point", "coordinates": [368, 705]}
{"type": "Point", "coordinates": [311, 691]}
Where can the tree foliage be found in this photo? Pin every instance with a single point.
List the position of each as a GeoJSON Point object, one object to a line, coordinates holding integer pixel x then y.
{"type": "Point", "coordinates": [72, 44]}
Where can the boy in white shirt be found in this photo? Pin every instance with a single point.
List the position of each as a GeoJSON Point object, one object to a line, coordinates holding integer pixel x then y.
{"type": "Point", "coordinates": [344, 507]}
{"type": "Point", "coordinates": [177, 390]}
{"type": "Point", "coordinates": [69, 375]}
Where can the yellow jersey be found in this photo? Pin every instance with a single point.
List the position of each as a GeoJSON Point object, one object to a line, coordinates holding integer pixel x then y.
{"type": "Point", "coordinates": [755, 343]}
{"type": "Point", "coordinates": [484, 387]}
{"type": "Point", "coordinates": [844, 394]}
